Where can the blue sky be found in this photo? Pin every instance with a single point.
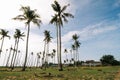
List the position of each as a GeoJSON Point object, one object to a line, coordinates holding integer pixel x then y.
{"type": "Point", "coordinates": [97, 22]}
{"type": "Point", "coordinates": [103, 16]}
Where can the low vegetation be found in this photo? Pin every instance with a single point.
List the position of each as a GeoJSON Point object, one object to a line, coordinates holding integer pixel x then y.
{"type": "Point", "coordinates": [70, 73]}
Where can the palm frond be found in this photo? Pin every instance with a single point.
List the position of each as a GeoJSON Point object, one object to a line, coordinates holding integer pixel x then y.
{"type": "Point", "coordinates": [55, 8]}
{"type": "Point", "coordinates": [57, 5]}
{"type": "Point", "coordinates": [8, 36]}
{"type": "Point", "coordinates": [68, 15]}
{"type": "Point", "coordinates": [37, 22]}
{"type": "Point", "coordinates": [64, 18]}
{"type": "Point", "coordinates": [54, 19]}
{"type": "Point", "coordinates": [75, 37]}
{"type": "Point", "coordinates": [64, 8]}
{"type": "Point", "coordinates": [19, 17]}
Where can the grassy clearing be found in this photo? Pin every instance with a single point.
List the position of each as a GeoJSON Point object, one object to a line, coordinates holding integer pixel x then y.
{"type": "Point", "coordinates": [81, 73]}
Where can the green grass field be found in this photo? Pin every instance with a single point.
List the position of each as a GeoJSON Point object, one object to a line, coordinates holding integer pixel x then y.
{"type": "Point", "coordinates": [81, 73]}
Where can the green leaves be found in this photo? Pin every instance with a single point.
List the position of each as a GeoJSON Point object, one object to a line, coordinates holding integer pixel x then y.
{"type": "Point", "coordinates": [56, 6]}
{"type": "Point", "coordinates": [18, 34]}
{"type": "Point", "coordinates": [60, 14]}
{"type": "Point", "coordinates": [47, 36]}
{"type": "Point", "coordinates": [28, 16]}
{"type": "Point", "coordinates": [4, 33]}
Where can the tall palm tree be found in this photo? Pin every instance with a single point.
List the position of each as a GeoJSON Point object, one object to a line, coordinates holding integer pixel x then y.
{"type": "Point", "coordinates": [28, 16]}
{"type": "Point", "coordinates": [54, 53]}
{"type": "Point", "coordinates": [32, 54]}
{"type": "Point", "coordinates": [18, 35]}
{"type": "Point", "coordinates": [9, 56]}
{"type": "Point", "coordinates": [66, 51]}
{"type": "Point", "coordinates": [57, 20]}
{"type": "Point", "coordinates": [73, 50]}
{"type": "Point", "coordinates": [75, 37]}
{"type": "Point", "coordinates": [47, 40]}
{"type": "Point", "coordinates": [4, 34]}
{"type": "Point", "coordinates": [76, 46]}
{"type": "Point", "coordinates": [38, 59]}
{"type": "Point", "coordinates": [4, 61]}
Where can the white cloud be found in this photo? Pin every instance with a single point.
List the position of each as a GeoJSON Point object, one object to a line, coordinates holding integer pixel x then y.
{"type": "Point", "coordinates": [89, 32]}
{"type": "Point", "coordinates": [68, 36]}
{"type": "Point", "coordinates": [117, 3]}
{"type": "Point", "coordinates": [10, 9]}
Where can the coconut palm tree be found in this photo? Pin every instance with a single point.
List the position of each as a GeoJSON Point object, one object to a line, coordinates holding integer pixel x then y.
{"type": "Point", "coordinates": [73, 50]}
{"type": "Point", "coordinates": [54, 53]}
{"type": "Point", "coordinates": [76, 46]}
{"type": "Point", "coordinates": [28, 16]}
{"type": "Point", "coordinates": [57, 20]}
{"type": "Point", "coordinates": [13, 54]}
{"type": "Point", "coordinates": [4, 34]}
{"type": "Point", "coordinates": [66, 51]}
{"type": "Point", "coordinates": [31, 59]}
{"type": "Point", "coordinates": [9, 56]}
{"type": "Point", "coordinates": [75, 37]}
{"type": "Point", "coordinates": [38, 59]}
{"type": "Point", "coordinates": [47, 40]}
{"type": "Point", "coordinates": [4, 61]}
{"type": "Point", "coordinates": [18, 35]}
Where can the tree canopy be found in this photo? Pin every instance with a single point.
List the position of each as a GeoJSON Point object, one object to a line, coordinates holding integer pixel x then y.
{"type": "Point", "coordinates": [109, 60]}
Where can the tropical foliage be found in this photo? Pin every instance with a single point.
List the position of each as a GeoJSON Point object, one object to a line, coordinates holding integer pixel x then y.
{"type": "Point", "coordinates": [59, 17]}
{"type": "Point", "coordinates": [28, 16]}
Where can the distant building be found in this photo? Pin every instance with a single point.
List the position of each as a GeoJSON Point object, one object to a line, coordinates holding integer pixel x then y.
{"type": "Point", "coordinates": [91, 63]}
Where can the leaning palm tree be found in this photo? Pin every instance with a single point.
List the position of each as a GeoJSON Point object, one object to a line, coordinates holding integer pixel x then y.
{"type": "Point", "coordinates": [28, 16]}
{"type": "Point", "coordinates": [57, 20]}
{"type": "Point", "coordinates": [18, 35]}
{"type": "Point", "coordinates": [4, 34]}
{"type": "Point", "coordinates": [9, 56]}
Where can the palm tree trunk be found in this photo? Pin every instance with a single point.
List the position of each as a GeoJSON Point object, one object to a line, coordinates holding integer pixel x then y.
{"type": "Point", "coordinates": [47, 52]}
{"type": "Point", "coordinates": [57, 29]}
{"type": "Point", "coordinates": [24, 66]}
{"type": "Point", "coordinates": [61, 68]}
{"type": "Point", "coordinates": [1, 46]}
{"type": "Point", "coordinates": [8, 57]}
{"type": "Point", "coordinates": [5, 58]}
{"type": "Point", "coordinates": [75, 56]}
{"type": "Point", "coordinates": [54, 59]}
{"type": "Point", "coordinates": [44, 52]}
{"type": "Point", "coordinates": [13, 53]}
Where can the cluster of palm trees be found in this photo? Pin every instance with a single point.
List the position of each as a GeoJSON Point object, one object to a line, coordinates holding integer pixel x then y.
{"type": "Point", "coordinates": [75, 47]}
{"type": "Point", "coordinates": [17, 36]}
{"type": "Point", "coordinates": [30, 16]}
{"type": "Point", "coordinates": [74, 53]}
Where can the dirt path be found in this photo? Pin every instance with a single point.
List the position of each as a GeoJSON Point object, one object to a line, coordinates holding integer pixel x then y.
{"type": "Point", "coordinates": [117, 77]}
